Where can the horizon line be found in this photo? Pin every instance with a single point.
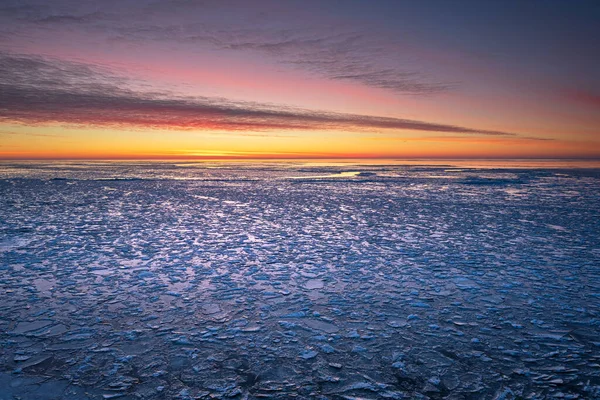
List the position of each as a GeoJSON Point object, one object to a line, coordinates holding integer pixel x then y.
{"type": "Point", "coordinates": [279, 158]}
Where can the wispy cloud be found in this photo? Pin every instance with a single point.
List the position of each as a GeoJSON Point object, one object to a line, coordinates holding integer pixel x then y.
{"type": "Point", "coordinates": [36, 90]}
{"type": "Point", "coordinates": [507, 139]}
{"type": "Point", "coordinates": [279, 31]}
{"type": "Point", "coordinates": [348, 56]}
{"type": "Point", "coordinates": [586, 97]}
{"type": "Point", "coordinates": [34, 134]}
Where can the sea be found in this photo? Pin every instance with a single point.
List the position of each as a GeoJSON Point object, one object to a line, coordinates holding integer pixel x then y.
{"type": "Point", "coordinates": [300, 279]}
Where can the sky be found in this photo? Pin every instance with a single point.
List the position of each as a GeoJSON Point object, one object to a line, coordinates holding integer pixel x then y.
{"type": "Point", "coordinates": [157, 79]}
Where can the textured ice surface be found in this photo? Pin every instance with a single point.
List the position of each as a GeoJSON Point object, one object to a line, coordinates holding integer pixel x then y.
{"type": "Point", "coordinates": [140, 281]}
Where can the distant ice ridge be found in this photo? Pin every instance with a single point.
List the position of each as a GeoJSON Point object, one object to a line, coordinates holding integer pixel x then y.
{"type": "Point", "coordinates": [152, 281]}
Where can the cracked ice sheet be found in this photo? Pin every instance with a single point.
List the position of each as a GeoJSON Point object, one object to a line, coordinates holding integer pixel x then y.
{"type": "Point", "coordinates": [160, 281]}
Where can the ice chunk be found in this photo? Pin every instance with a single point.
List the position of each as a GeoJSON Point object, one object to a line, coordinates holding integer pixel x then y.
{"type": "Point", "coordinates": [321, 325]}
{"type": "Point", "coordinates": [314, 284]}
{"type": "Point", "coordinates": [308, 354]}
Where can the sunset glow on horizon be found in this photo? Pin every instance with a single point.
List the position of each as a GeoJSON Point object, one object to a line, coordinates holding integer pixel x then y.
{"type": "Point", "coordinates": [289, 80]}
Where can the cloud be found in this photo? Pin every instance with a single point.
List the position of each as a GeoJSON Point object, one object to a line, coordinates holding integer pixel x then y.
{"type": "Point", "coordinates": [296, 35]}
{"type": "Point", "coordinates": [585, 97]}
{"type": "Point", "coordinates": [501, 140]}
{"type": "Point", "coordinates": [36, 90]}
{"type": "Point", "coordinates": [346, 55]}
{"type": "Point", "coordinates": [30, 134]}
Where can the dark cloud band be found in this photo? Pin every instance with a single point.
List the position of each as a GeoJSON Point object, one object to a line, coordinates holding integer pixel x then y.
{"type": "Point", "coordinates": [36, 90]}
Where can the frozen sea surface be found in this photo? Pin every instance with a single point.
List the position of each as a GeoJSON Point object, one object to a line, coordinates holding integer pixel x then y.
{"type": "Point", "coordinates": [230, 281]}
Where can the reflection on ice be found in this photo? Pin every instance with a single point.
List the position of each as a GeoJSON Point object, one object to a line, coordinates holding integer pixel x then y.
{"type": "Point", "coordinates": [241, 283]}
{"type": "Point", "coordinates": [344, 174]}
{"type": "Point", "coordinates": [314, 284]}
